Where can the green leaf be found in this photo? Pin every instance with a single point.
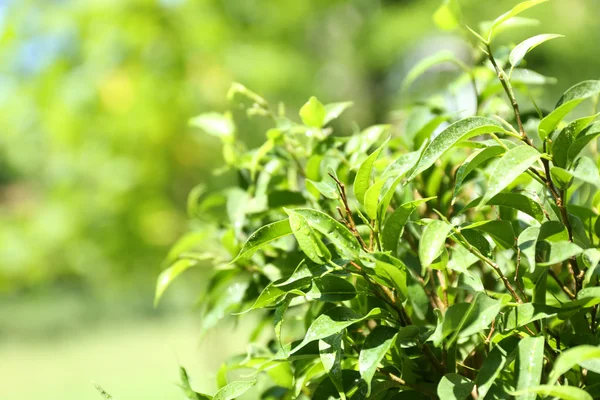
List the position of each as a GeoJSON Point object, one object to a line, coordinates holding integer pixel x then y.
{"type": "Point", "coordinates": [447, 15]}
{"type": "Point", "coordinates": [331, 353]}
{"type": "Point", "coordinates": [263, 236]}
{"type": "Point", "coordinates": [388, 191]}
{"type": "Point", "coordinates": [327, 187]}
{"type": "Point", "coordinates": [352, 385]}
{"type": "Point", "coordinates": [575, 356]}
{"type": "Point", "coordinates": [454, 387]}
{"type": "Point", "coordinates": [278, 319]}
{"type": "Point", "coordinates": [501, 231]}
{"type": "Point", "coordinates": [394, 226]}
{"type": "Point", "coordinates": [560, 392]}
{"type": "Point", "coordinates": [187, 388]}
{"type": "Point", "coordinates": [362, 181]}
{"type": "Point", "coordinates": [530, 362]}
{"type": "Point", "coordinates": [371, 200]}
{"type": "Point", "coordinates": [466, 319]}
{"type": "Point", "coordinates": [334, 110]}
{"type": "Point", "coordinates": [422, 66]}
{"type": "Point", "coordinates": [516, 10]}
{"type": "Point", "coordinates": [333, 321]}
{"type": "Point", "coordinates": [527, 244]}
{"type": "Point", "coordinates": [582, 140]}
{"type": "Point", "coordinates": [511, 23]}
{"type": "Point", "coordinates": [502, 354]}
{"type": "Point", "coordinates": [376, 346]}
{"type": "Point", "coordinates": [168, 275]}
{"type": "Point", "coordinates": [569, 100]}
{"type": "Point", "coordinates": [313, 113]}
{"type": "Point", "coordinates": [519, 52]}
{"type": "Point", "coordinates": [234, 389]}
{"type": "Point", "coordinates": [586, 298]}
{"type": "Point", "coordinates": [524, 314]}
{"type": "Point", "coordinates": [559, 251]}
{"type": "Point", "coordinates": [590, 258]}
{"type": "Point", "coordinates": [425, 132]}
{"type": "Point", "coordinates": [482, 311]}
{"type": "Point", "coordinates": [308, 240]}
{"type": "Point", "coordinates": [271, 294]}
{"type": "Point", "coordinates": [512, 164]}
{"type": "Point", "coordinates": [216, 124]}
{"type": "Point", "coordinates": [586, 170]}
{"type": "Point", "coordinates": [333, 230]}
{"type": "Point", "coordinates": [331, 288]}
{"type": "Point", "coordinates": [433, 241]}
{"type": "Point", "coordinates": [561, 178]}
{"type": "Point", "coordinates": [565, 139]}
{"type": "Point", "coordinates": [449, 137]}
{"type": "Point", "coordinates": [392, 271]}
{"type": "Point", "coordinates": [517, 201]}
{"type": "Point", "coordinates": [474, 161]}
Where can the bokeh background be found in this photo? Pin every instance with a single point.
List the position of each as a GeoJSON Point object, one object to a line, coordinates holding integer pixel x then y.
{"type": "Point", "coordinates": [96, 157]}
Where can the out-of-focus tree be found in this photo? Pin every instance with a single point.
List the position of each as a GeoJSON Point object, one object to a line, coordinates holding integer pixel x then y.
{"type": "Point", "coordinates": [95, 155]}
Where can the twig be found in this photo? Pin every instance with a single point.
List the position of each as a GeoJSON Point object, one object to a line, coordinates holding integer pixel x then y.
{"type": "Point", "coordinates": [351, 224]}
{"type": "Point", "coordinates": [489, 262]}
{"type": "Point", "coordinates": [561, 285]}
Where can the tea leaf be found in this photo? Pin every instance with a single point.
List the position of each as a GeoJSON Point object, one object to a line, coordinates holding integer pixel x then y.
{"type": "Point", "coordinates": [215, 124]}
{"type": "Point", "coordinates": [334, 231]}
{"type": "Point", "coordinates": [454, 387]}
{"type": "Point", "coordinates": [519, 52]}
{"type": "Point", "coordinates": [569, 100]}
{"type": "Point", "coordinates": [313, 113]}
{"type": "Point", "coordinates": [516, 10]}
{"type": "Point", "coordinates": [334, 321]}
{"type": "Point", "coordinates": [334, 110]}
{"type": "Point", "coordinates": [394, 226]}
{"type": "Point", "coordinates": [512, 164]}
{"type": "Point", "coordinates": [168, 275]}
{"type": "Point", "coordinates": [565, 139]}
{"type": "Point", "coordinates": [422, 66]}
{"type": "Point", "coordinates": [580, 355]}
{"type": "Point", "coordinates": [372, 198]}
{"type": "Point", "coordinates": [561, 177]}
{"type": "Point", "coordinates": [530, 362]}
{"type": "Point", "coordinates": [527, 243]}
{"type": "Point", "coordinates": [517, 201]}
{"type": "Point", "coordinates": [582, 140]}
{"type": "Point", "coordinates": [263, 236]}
{"type": "Point", "coordinates": [234, 389]}
{"type": "Point", "coordinates": [474, 161]}
{"type": "Point", "coordinates": [331, 288]}
{"type": "Point", "coordinates": [376, 346]}
{"type": "Point", "coordinates": [310, 243]}
{"type": "Point", "coordinates": [330, 352]}
{"type": "Point", "coordinates": [502, 354]}
{"type": "Point", "coordinates": [449, 137]}
{"type": "Point", "coordinates": [363, 176]}
{"type": "Point", "coordinates": [561, 392]}
{"type": "Point", "coordinates": [433, 241]}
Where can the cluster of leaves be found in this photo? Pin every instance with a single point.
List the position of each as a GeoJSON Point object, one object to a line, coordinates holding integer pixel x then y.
{"type": "Point", "coordinates": [457, 259]}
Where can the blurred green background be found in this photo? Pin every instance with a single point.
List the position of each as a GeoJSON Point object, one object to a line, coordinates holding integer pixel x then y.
{"type": "Point", "coordinates": [96, 157]}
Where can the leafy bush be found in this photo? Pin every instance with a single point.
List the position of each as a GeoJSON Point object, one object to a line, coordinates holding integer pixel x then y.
{"type": "Point", "coordinates": [451, 257]}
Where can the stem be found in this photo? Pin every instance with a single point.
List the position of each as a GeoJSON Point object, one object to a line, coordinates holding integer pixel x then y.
{"type": "Point", "coordinates": [561, 285]}
{"type": "Point", "coordinates": [350, 222]}
{"type": "Point", "coordinates": [558, 198]}
{"type": "Point", "coordinates": [489, 262]}
{"type": "Point", "coordinates": [509, 92]}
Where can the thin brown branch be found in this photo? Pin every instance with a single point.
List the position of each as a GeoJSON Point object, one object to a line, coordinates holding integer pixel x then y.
{"type": "Point", "coordinates": [350, 219]}
{"type": "Point", "coordinates": [564, 287]}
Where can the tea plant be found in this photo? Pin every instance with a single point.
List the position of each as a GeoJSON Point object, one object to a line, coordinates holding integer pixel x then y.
{"type": "Point", "coordinates": [453, 256]}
